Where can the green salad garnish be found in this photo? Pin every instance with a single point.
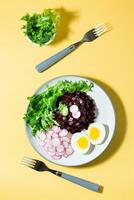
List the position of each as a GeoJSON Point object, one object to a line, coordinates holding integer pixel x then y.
{"type": "Point", "coordinates": [63, 109]}
{"type": "Point", "coordinates": [40, 28]}
{"type": "Point", "coordinates": [41, 111]}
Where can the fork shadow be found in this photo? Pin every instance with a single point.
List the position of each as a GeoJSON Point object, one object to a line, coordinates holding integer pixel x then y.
{"type": "Point", "coordinates": [63, 29]}
{"type": "Point", "coordinates": [120, 130]}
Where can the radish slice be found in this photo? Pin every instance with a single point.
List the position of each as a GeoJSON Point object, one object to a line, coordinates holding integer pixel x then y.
{"type": "Point", "coordinates": [50, 132]}
{"type": "Point", "coordinates": [69, 150]}
{"type": "Point", "coordinates": [42, 136]}
{"type": "Point", "coordinates": [51, 148]}
{"type": "Point", "coordinates": [61, 153]}
{"type": "Point", "coordinates": [48, 136]}
{"type": "Point", "coordinates": [65, 144]}
{"type": "Point", "coordinates": [69, 135]}
{"type": "Point", "coordinates": [60, 148]}
{"type": "Point", "coordinates": [46, 147]}
{"type": "Point", "coordinates": [63, 133]}
{"type": "Point", "coordinates": [65, 139]}
{"type": "Point", "coordinates": [51, 153]}
{"type": "Point", "coordinates": [56, 129]}
{"type": "Point", "coordinates": [74, 108]}
{"type": "Point", "coordinates": [65, 155]}
{"type": "Point", "coordinates": [57, 154]}
{"type": "Point", "coordinates": [76, 115]}
{"type": "Point", "coordinates": [56, 142]}
{"type": "Point", "coordinates": [42, 143]}
{"type": "Point", "coordinates": [55, 135]}
{"type": "Point", "coordinates": [47, 141]}
{"type": "Point", "coordinates": [57, 157]}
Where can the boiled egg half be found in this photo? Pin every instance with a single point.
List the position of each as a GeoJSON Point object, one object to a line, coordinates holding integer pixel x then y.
{"type": "Point", "coordinates": [96, 133]}
{"type": "Point", "coordinates": [80, 142]}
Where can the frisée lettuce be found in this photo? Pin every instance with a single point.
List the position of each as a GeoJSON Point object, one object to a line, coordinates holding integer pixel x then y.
{"type": "Point", "coordinates": [41, 28]}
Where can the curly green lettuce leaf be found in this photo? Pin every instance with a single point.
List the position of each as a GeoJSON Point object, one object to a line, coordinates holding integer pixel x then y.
{"type": "Point", "coordinates": [40, 28]}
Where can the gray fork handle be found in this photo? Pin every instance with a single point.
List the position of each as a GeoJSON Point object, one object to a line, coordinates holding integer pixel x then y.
{"type": "Point", "coordinates": [53, 59]}
{"type": "Point", "coordinates": [87, 184]}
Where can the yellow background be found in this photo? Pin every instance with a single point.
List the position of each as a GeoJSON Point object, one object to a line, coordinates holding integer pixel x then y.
{"type": "Point", "coordinates": [109, 60]}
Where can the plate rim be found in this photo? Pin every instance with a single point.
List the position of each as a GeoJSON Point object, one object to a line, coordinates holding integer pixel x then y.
{"type": "Point", "coordinates": [114, 112]}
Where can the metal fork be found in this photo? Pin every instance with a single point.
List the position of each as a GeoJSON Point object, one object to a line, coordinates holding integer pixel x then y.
{"type": "Point", "coordinates": [41, 166]}
{"type": "Point", "coordinates": [88, 37]}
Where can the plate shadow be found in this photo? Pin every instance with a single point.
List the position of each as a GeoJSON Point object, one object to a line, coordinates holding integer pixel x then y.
{"type": "Point", "coordinates": [120, 129]}
{"type": "Point", "coordinates": [63, 29]}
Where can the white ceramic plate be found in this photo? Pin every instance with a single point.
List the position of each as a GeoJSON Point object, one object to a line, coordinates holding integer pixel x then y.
{"type": "Point", "coordinates": [105, 116]}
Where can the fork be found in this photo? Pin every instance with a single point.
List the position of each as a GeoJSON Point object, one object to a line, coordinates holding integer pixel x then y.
{"type": "Point", "coordinates": [41, 166]}
{"type": "Point", "coordinates": [90, 36]}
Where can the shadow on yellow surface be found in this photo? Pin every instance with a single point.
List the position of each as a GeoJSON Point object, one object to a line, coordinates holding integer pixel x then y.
{"type": "Point", "coordinates": [63, 29]}
{"type": "Point", "coordinates": [121, 125]}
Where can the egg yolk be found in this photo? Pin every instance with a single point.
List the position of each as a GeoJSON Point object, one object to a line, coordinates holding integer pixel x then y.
{"type": "Point", "coordinates": [94, 133]}
{"type": "Point", "coordinates": [82, 143]}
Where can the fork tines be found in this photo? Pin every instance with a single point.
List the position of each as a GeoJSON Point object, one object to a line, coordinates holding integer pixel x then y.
{"type": "Point", "coordinates": [29, 162]}
{"type": "Point", "coordinates": [100, 29]}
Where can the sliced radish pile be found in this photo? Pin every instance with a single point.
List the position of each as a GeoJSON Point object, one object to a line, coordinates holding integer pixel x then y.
{"type": "Point", "coordinates": [56, 142]}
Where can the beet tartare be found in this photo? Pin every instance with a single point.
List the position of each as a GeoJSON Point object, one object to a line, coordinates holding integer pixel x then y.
{"type": "Point", "coordinates": [85, 107]}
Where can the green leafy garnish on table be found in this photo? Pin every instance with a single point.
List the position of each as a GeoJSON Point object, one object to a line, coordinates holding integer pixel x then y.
{"type": "Point", "coordinates": [41, 28]}
{"type": "Point", "coordinates": [40, 114]}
